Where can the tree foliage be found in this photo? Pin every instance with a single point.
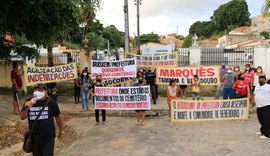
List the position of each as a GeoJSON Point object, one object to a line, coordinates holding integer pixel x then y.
{"type": "Point", "coordinates": [152, 37]}
{"type": "Point", "coordinates": [265, 34]}
{"type": "Point", "coordinates": [96, 41]}
{"type": "Point", "coordinates": [41, 22]}
{"type": "Point", "coordinates": [265, 7]}
{"type": "Point", "coordinates": [187, 41]}
{"type": "Point", "coordinates": [115, 37]}
{"type": "Point", "coordinates": [202, 29]}
{"type": "Point", "coordinates": [230, 15]}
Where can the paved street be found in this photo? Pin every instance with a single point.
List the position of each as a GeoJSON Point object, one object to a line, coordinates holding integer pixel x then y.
{"type": "Point", "coordinates": [120, 136]}
{"type": "Point", "coordinates": [159, 137]}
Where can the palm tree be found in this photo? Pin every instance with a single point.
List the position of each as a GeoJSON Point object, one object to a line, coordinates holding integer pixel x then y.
{"type": "Point", "coordinates": [265, 8]}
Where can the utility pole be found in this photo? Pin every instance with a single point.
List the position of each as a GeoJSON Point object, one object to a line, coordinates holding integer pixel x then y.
{"type": "Point", "coordinates": [127, 48]}
{"type": "Point", "coordinates": [138, 3]}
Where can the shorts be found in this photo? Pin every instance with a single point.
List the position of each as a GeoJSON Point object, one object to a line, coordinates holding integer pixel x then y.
{"type": "Point", "coordinates": [183, 86]}
{"type": "Point", "coordinates": [15, 93]}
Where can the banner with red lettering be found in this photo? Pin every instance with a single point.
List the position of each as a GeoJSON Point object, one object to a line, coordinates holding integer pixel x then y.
{"type": "Point", "coordinates": [115, 81]}
{"type": "Point", "coordinates": [122, 98]}
{"type": "Point", "coordinates": [155, 60]}
{"type": "Point", "coordinates": [233, 109]}
{"type": "Point", "coordinates": [34, 75]}
{"type": "Point", "coordinates": [114, 69]}
{"type": "Point", "coordinates": [208, 75]}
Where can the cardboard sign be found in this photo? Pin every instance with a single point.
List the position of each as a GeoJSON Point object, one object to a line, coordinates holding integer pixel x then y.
{"type": "Point", "coordinates": [209, 110]}
{"type": "Point", "coordinates": [34, 75]}
{"type": "Point", "coordinates": [155, 60]}
{"type": "Point", "coordinates": [114, 69]}
{"type": "Point", "coordinates": [208, 75]}
{"type": "Point", "coordinates": [123, 98]}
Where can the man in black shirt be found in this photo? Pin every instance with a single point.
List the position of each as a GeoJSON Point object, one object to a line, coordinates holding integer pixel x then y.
{"type": "Point", "coordinates": [150, 78]}
{"type": "Point", "coordinates": [43, 134]}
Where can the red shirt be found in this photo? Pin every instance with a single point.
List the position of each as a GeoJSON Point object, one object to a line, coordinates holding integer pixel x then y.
{"type": "Point", "coordinates": [15, 76]}
{"type": "Point", "coordinates": [241, 88]}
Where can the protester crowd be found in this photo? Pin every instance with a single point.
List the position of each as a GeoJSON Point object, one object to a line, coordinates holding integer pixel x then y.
{"type": "Point", "coordinates": [235, 82]}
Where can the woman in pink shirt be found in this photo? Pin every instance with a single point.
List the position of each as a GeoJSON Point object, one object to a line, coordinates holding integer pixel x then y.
{"type": "Point", "coordinates": [249, 76]}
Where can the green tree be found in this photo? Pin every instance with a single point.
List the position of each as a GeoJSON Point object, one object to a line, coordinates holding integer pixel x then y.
{"type": "Point", "coordinates": [96, 41]}
{"type": "Point", "coordinates": [265, 34]}
{"type": "Point", "coordinates": [152, 37]}
{"type": "Point", "coordinates": [230, 15]}
{"type": "Point", "coordinates": [265, 7]}
{"type": "Point", "coordinates": [42, 22]}
{"type": "Point", "coordinates": [115, 37]}
{"type": "Point", "coordinates": [187, 41]}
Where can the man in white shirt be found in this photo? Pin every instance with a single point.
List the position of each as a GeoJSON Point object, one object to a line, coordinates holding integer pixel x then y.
{"type": "Point", "coordinates": [262, 100]}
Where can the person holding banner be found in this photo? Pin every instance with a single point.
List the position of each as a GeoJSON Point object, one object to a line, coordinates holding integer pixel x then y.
{"type": "Point", "coordinates": [172, 91]}
{"type": "Point", "coordinates": [150, 78]}
{"type": "Point", "coordinates": [241, 87]}
{"type": "Point", "coordinates": [85, 87]}
{"type": "Point", "coordinates": [98, 83]}
{"type": "Point", "coordinates": [196, 84]}
{"type": "Point", "coordinates": [262, 100]}
{"type": "Point", "coordinates": [228, 91]}
{"type": "Point", "coordinates": [17, 83]}
{"type": "Point", "coordinates": [140, 113]}
{"type": "Point", "coordinates": [222, 73]}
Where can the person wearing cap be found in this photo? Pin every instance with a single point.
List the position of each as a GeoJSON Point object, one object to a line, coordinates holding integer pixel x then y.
{"type": "Point", "coordinates": [43, 134]}
{"type": "Point", "coordinates": [17, 83]}
{"type": "Point", "coordinates": [228, 91]}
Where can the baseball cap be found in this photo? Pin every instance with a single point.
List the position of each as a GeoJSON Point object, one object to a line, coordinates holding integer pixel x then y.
{"type": "Point", "coordinates": [41, 86]}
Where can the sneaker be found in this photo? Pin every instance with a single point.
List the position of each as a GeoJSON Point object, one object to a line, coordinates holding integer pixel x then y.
{"type": "Point", "coordinates": [258, 133]}
{"type": "Point", "coordinates": [193, 99]}
{"type": "Point", "coordinates": [137, 123]}
{"type": "Point", "coordinates": [142, 123]}
{"type": "Point", "coordinates": [263, 137]}
{"type": "Point", "coordinates": [216, 98]}
{"type": "Point", "coordinates": [198, 98]}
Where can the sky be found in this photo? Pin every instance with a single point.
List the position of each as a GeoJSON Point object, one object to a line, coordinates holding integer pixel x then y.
{"type": "Point", "coordinates": [164, 16]}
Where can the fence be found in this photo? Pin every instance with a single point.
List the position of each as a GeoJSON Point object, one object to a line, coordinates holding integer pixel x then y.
{"type": "Point", "coordinates": [232, 57]}
{"type": "Point", "coordinates": [216, 56]}
{"type": "Point", "coordinates": [183, 57]}
{"type": "Point", "coordinates": [59, 58]}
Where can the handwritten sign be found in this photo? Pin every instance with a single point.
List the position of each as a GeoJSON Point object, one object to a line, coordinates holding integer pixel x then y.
{"type": "Point", "coordinates": [208, 75]}
{"type": "Point", "coordinates": [123, 98]}
{"type": "Point", "coordinates": [209, 110]}
{"type": "Point", "coordinates": [36, 75]}
{"type": "Point", "coordinates": [114, 69]}
{"type": "Point", "coordinates": [155, 60]}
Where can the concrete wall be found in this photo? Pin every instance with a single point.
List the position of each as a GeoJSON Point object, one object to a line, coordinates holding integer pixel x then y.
{"type": "Point", "coordinates": [262, 58]}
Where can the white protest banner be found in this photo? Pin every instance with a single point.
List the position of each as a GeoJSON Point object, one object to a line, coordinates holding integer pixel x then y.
{"type": "Point", "coordinates": [122, 98]}
{"type": "Point", "coordinates": [208, 75]}
{"type": "Point", "coordinates": [155, 60]}
{"type": "Point", "coordinates": [115, 81]}
{"type": "Point", "coordinates": [34, 75]}
{"type": "Point", "coordinates": [232, 109]}
{"type": "Point", "coordinates": [114, 69]}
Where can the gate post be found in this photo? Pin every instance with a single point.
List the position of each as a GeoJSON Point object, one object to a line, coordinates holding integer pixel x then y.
{"type": "Point", "coordinates": [195, 56]}
{"type": "Point", "coordinates": [261, 57]}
